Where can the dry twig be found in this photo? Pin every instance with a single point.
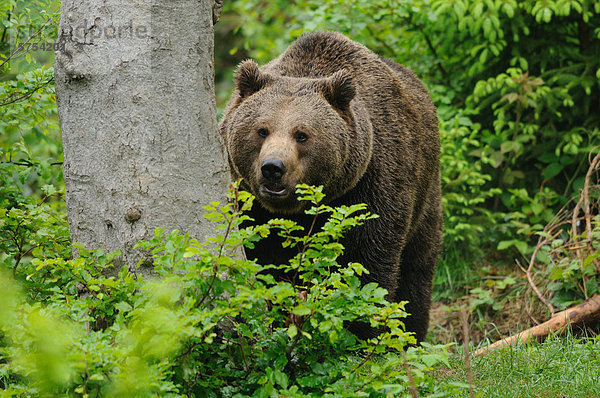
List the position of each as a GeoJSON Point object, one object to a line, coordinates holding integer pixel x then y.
{"type": "Point", "coordinates": [528, 271]}
{"type": "Point", "coordinates": [465, 323]}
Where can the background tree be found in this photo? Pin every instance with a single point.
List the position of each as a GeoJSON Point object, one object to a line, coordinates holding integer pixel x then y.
{"type": "Point", "coordinates": [136, 101]}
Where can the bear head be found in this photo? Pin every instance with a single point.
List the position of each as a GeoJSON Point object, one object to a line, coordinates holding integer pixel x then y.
{"type": "Point", "coordinates": [281, 131]}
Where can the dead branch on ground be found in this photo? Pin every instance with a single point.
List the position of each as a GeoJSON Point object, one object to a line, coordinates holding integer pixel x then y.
{"type": "Point", "coordinates": [585, 313]}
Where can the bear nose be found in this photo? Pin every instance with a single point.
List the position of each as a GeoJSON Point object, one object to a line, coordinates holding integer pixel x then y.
{"type": "Point", "coordinates": [273, 169]}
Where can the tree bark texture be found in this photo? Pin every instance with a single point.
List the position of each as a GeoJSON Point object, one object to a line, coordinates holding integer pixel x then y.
{"type": "Point", "coordinates": [135, 93]}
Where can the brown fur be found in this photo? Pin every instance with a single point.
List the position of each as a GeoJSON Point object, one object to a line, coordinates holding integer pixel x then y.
{"type": "Point", "coordinates": [372, 137]}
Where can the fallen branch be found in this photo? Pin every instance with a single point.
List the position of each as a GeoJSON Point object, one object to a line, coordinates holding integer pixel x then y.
{"type": "Point", "coordinates": [587, 312]}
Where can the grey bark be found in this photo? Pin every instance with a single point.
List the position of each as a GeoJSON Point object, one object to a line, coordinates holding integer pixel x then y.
{"type": "Point", "coordinates": [135, 92]}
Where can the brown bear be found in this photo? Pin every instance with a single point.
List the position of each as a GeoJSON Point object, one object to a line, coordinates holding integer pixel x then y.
{"type": "Point", "coordinates": [330, 112]}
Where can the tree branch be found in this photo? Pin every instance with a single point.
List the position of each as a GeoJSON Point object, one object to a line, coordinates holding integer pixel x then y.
{"type": "Point", "coordinates": [434, 52]}
{"type": "Point", "coordinates": [27, 94]}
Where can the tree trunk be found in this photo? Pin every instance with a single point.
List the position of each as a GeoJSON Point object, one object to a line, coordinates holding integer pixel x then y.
{"type": "Point", "coordinates": [135, 94]}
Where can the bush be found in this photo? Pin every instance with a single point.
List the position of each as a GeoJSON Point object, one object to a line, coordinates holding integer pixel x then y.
{"type": "Point", "coordinates": [213, 324]}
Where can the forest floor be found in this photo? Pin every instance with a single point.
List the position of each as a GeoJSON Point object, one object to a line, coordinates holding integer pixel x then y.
{"type": "Point", "coordinates": [560, 366]}
{"type": "Point", "coordinates": [496, 308]}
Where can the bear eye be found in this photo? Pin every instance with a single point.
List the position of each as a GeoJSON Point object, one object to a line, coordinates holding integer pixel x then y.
{"type": "Point", "coordinates": [263, 133]}
{"type": "Point", "coordinates": [301, 137]}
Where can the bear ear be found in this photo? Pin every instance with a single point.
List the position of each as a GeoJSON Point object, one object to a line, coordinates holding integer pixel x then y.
{"type": "Point", "coordinates": [339, 90]}
{"type": "Point", "coordinates": [249, 79]}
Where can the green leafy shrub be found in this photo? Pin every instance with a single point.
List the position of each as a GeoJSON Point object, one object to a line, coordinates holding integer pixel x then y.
{"type": "Point", "coordinates": [30, 225]}
{"type": "Point", "coordinates": [213, 324]}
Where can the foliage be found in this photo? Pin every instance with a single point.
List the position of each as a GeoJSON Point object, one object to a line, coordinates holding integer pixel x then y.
{"type": "Point", "coordinates": [565, 264]}
{"type": "Point", "coordinates": [31, 210]}
{"type": "Point", "coordinates": [563, 269]}
{"type": "Point", "coordinates": [214, 324]}
{"type": "Point", "coordinates": [571, 268]}
{"type": "Point", "coordinates": [29, 227]}
{"type": "Point", "coordinates": [29, 127]}
{"type": "Point", "coordinates": [30, 23]}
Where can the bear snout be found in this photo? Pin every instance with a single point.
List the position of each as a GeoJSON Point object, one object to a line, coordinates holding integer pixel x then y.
{"type": "Point", "coordinates": [272, 170]}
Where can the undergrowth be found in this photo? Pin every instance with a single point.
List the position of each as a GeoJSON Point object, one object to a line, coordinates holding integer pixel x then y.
{"type": "Point", "coordinates": [214, 324]}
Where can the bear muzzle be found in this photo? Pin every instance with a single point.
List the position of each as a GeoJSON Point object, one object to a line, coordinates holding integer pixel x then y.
{"type": "Point", "coordinates": [273, 171]}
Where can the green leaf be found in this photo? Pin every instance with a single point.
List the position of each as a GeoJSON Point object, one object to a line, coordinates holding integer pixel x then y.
{"type": "Point", "coordinates": [552, 170]}
{"type": "Point", "coordinates": [123, 306]}
{"type": "Point", "coordinates": [280, 378]}
{"type": "Point", "coordinates": [505, 244]}
{"type": "Point", "coordinates": [301, 310]}
{"type": "Point", "coordinates": [292, 331]}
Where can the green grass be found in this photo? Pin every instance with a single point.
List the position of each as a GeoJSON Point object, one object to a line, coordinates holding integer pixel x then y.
{"type": "Point", "coordinates": [558, 367]}
{"type": "Point", "coordinates": [451, 278]}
